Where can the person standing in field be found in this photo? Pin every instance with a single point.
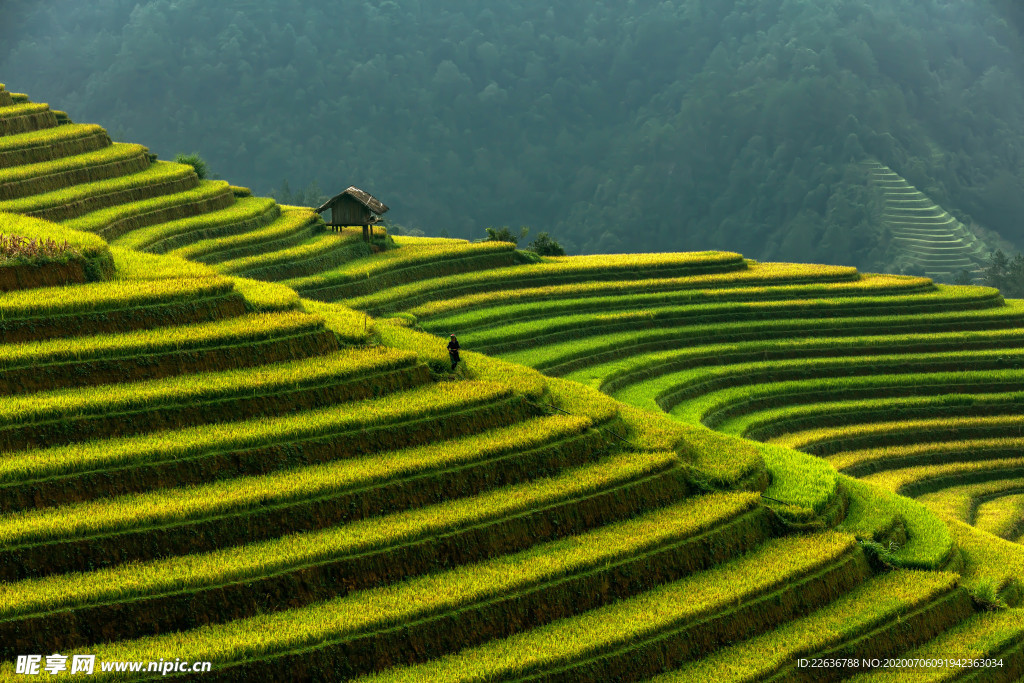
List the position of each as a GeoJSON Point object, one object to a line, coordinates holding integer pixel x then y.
{"type": "Point", "coordinates": [453, 351]}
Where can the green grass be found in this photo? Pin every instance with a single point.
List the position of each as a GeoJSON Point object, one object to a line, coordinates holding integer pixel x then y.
{"type": "Point", "coordinates": [1001, 516]}
{"type": "Point", "coordinates": [874, 514]}
{"type": "Point", "coordinates": [105, 296]}
{"type": "Point", "coordinates": [870, 460]}
{"type": "Point", "coordinates": [244, 213]}
{"type": "Point", "coordinates": [114, 221]}
{"type": "Point", "coordinates": [233, 331]}
{"type": "Point", "coordinates": [204, 440]}
{"type": "Point", "coordinates": [236, 495]}
{"type": "Point", "coordinates": [756, 275]}
{"type": "Point", "coordinates": [961, 502]}
{"type": "Point", "coordinates": [292, 223]}
{"type": "Point", "coordinates": [984, 636]}
{"type": "Point", "coordinates": [578, 273]}
{"type": "Point", "coordinates": [114, 153]}
{"type": "Point", "coordinates": [251, 561]}
{"type": "Point", "coordinates": [158, 174]}
{"type": "Point", "coordinates": [879, 602]}
{"type": "Point", "coordinates": [632, 621]}
{"type": "Point", "coordinates": [916, 480]}
{"type": "Point", "coordinates": [22, 109]}
{"type": "Point", "coordinates": [623, 301]}
{"type": "Point", "coordinates": [51, 143]}
{"type": "Point", "coordinates": [267, 296]}
{"type": "Point", "coordinates": [342, 366]}
{"type": "Point", "coordinates": [89, 245]}
{"type": "Point", "coordinates": [556, 328]}
{"type": "Point", "coordinates": [398, 265]}
{"type": "Point", "coordinates": [367, 611]}
{"type": "Point", "coordinates": [321, 250]}
{"type": "Point", "coordinates": [831, 440]}
{"type": "Point", "coordinates": [564, 356]}
{"type": "Point", "coordinates": [773, 422]}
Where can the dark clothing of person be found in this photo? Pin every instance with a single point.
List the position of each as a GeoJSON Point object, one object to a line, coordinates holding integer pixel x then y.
{"type": "Point", "coordinates": [453, 352]}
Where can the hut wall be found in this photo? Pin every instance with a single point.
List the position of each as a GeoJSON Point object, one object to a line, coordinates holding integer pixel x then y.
{"type": "Point", "coordinates": [349, 212]}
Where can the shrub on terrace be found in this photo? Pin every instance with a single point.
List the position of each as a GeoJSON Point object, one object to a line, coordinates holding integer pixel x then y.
{"type": "Point", "coordinates": [195, 161]}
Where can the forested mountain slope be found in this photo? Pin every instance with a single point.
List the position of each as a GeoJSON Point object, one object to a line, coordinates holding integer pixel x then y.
{"type": "Point", "coordinates": [638, 126]}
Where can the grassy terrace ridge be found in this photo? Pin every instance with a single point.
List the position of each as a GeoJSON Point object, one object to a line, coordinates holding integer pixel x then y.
{"type": "Point", "coordinates": [193, 443]}
{"type": "Point", "coordinates": [754, 275]}
{"type": "Point", "coordinates": [345, 363]}
{"type": "Point", "coordinates": [114, 221]}
{"type": "Point", "coordinates": [55, 172]}
{"type": "Point", "coordinates": [726, 409]}
{"type": "Point", "coordinates": [327, 250]}
{"type": "Point", "coordinates": [830, 440]}
{"type": "Point", "coordinates": [291, 226]}
{"type": "Point", "coordinates": [798, 413]}
{"type": "Point", "coordinates": [500, 339]}
{"type": "Point", "coordinates": [562, 357]}
{"type": "Point", "coordinates": [245, 214]}
{"type": "Point", "coordinates": [406, 264]}
{"type": "Point", "coordinates": [585, 273]}
{"type": "Point", "coordinates": [553, 306]}
{"type": "Point", "coordinates": [230, 331]}
{"type": "Point", "coordinates": [370, 614]}
{"type": "Point", "coordinates": [106, 296]}
{"type": "Point", "coordinates": [962, 502]}
{"type": "Point", "coordinates": [1001, 516]}
{"type": "Point", "coordinates": [71, 202]}
{"type": "Point", "coordinates": [376, 535]}
{"type": "Point", "coordinates": [599, 641]}
{"type": "Point", "coordinates": [144, 510]}
{"type": "Point", "coordinates": [647, 388]}
{"type": "Point", "coordinates": [871, 609]}
{"type": "Point", "coordinates": [21, 109]}
{"type": "Point", "coordinates": [51, 143]}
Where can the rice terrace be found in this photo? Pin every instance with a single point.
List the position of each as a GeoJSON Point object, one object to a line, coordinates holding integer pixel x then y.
{"type": "Point", "coordinates": [231, 435]}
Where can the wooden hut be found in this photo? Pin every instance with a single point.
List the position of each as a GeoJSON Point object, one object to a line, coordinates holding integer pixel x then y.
{"type": "Point", "coordinates": [354, 207]}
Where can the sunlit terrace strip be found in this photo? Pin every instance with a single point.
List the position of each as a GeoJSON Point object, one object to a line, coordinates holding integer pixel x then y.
{"type": "Point", "coordinates": [878, 603]}
{"type": "Point", "coordinates": [240, 495]}
{"type": "Point", "coordinates": [195, 442]}
{"type": "Point", "coordinates": [755, 275]}
{"type": "Point", "coordinates": [22, 109]}
{"type": "Point", "coordinates": [1002, 516]}
{"type": "Point", "coordinates": [113, 153]}
{"type": "Point", "coordinates": [558, 328]}
{"type": "Point", "coordinates": [292, 222]}
{"type": "Point", "coordinates": [233, 331]}
{"type": "Point", "coordinates": [573, 271]}
{"type": "Point", "coordinates": [317, 246]}
{"type": "Point", "coordinates": [49, 136]}
{"type": "Point", "coordinates": [114, 221]}
{"type": "Point", "coordinates": [365, 614]}
{"type": "Point", "coordinates": [560, 358]}
{"type": "Point", "coordinates": [344, 365]}
{"type": "Point", "coordinates": [987, 635]}
{"type": "Point", "coordinates": [830, 440]}
{"type": "Point", "coordinates": [397, 259]}
{"type": "Point", "coordinates": [648, 619]}
{"type": "Point", "coordinates": [244, 211]}
{"type": "Point", "coordinates": [863, 462]}
{"type": "Point", "coordinates": [104, 296]}
{"type": "Point", "coordinates": [799, 415]}
{"type": "Point", "coordinates": [553, 306]}
{"type": "Point", "coordinates": [159, 173]}
{"type": "Point", "coordinates": [961, 502]}
{"type": "Point", "coordinates": [662, 386]}
{"type": "Point", "coordinates": [875, 514]}
{"type": "Point", "coordinates": [722, 407]}
{"type": "Point", "coordinates": [247, 562]}
{"type": "Point", "coordinates": [915, 481]}
{"type": "Point", "coordinates": [815, 347]}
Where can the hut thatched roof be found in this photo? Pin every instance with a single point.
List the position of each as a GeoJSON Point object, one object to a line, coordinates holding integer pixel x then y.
{"type": "Point", "coordinates": [361, 196]}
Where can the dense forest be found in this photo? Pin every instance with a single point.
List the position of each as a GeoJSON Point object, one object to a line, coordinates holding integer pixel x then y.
{"type": "Point", "coordinates": [614, 125]}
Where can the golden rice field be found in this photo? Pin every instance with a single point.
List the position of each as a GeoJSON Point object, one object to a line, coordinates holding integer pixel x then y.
{"type": "Point", "coordinates": [232, 436]}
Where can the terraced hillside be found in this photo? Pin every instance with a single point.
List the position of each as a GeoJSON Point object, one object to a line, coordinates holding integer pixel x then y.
{"type": "Point", "coordinates": [247, 447]}
{"type": "Point", "coordinates": [923, 233]}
